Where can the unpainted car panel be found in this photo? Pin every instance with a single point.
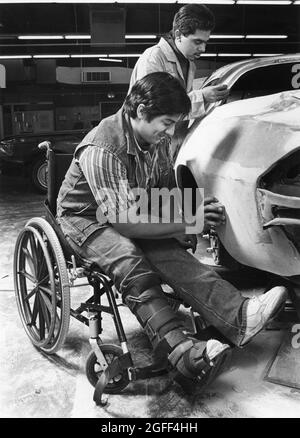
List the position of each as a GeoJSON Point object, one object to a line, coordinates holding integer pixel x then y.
{"type": "Point", "coordinates": [228, 153]}
{"type": "Point", "coordinates": [231, 73]}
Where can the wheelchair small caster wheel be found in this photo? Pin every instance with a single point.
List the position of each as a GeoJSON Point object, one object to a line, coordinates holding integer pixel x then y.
{"type": "Point", "coordinates": [102, 403]}
{"type": "Point", "coordinates": [94, 371]}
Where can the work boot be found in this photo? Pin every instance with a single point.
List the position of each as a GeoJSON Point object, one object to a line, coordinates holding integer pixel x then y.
{"type": "Point", "coordinates": [260, 310]}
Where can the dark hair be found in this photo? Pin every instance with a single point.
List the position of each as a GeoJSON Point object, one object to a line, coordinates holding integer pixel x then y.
{"type": "Point", "coordinates": [161, 94]}
{"type": "Point", "coordinates": [190, 18]}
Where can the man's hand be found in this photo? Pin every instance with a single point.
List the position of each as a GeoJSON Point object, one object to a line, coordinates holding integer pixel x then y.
{"type": "Point", "coordinates": [188, 241]}
{"type": "Point", "coordinates": [214, 93]}
{"type": "Point", "coordinates": [214, 213]}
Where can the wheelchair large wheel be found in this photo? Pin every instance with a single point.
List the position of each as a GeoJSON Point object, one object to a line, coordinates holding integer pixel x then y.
{"type": "Point", "coordinates": [42, 285]}
{"type": "Point", "coordinates": [94, 371]}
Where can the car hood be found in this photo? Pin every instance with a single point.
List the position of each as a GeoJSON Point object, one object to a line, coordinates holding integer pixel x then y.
{"type": "Point", "coordinates": [229, 73]}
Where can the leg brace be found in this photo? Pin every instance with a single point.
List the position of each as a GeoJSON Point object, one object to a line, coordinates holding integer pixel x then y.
{"type": "Point", "coordinates": [164, 329]}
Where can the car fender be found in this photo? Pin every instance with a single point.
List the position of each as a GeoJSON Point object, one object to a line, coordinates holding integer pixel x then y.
{"type": "Point", "coordinates": [228, 152]}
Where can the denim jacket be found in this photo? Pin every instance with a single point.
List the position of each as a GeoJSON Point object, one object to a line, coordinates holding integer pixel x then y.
{"type": "Point", "coordinates": [76, 205]}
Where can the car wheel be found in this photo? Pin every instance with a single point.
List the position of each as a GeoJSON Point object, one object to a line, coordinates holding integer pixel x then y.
{"type": "Point", "coordinates": [39, 175]}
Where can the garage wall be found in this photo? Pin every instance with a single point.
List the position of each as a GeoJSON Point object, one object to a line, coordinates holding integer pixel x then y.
{"type": "Point", "coordinates": [67, 75]}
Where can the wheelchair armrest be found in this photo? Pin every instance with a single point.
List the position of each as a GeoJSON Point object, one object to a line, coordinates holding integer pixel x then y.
{"type": "Point", "coordinates": [45, 146]}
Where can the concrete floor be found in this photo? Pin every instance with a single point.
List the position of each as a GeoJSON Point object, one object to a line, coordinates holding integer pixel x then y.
{"type": "Point", "coordinates": [34, 385]}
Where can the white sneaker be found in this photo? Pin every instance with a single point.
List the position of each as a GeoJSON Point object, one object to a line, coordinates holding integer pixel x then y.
{"type": "Point", "coordinates": [214, 348]}
{"type": "Point", "coordinates": [261, 309]}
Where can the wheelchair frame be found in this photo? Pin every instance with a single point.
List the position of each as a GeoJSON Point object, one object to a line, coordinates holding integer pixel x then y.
{"type": "Point", "coordinates": [44, 263]}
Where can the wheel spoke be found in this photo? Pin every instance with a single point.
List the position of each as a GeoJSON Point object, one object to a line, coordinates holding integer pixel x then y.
{"type": "Point", "coordinates": [46, 300]}
{"type": "Point", "coordinates": [27, 275]}
{"type": "Point", "coordinates": [31, 293]}
{"type": "Point", "coordinates": [45, 313]}
{"type": "Point", "coordinates": [44, 280]}
{"type": "Point", "coordinates": [39, 252]}
{"type": "Point", "coordinates": [29, 260]}
{"type": "Point", "coordinates": [42, 268]}
{"type": "Point", "coordinates": [41, 320]}
{"type": "Point", "coordinates": [33, 245]}
{"type": "Point", "coordinates": [46, 290]}
{"type": "Point", "coordinates": [34, 311]}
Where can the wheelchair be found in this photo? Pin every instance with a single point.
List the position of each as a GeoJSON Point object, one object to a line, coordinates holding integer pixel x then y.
{"type": "Point", "coordinates": [45, 269]}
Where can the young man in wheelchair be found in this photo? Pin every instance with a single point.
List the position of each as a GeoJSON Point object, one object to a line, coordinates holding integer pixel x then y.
{"type": "Point", "coordinates": [97, 211]}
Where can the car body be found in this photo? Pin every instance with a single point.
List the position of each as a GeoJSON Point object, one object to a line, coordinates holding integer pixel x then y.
{"type": "Point", "coordinates": [247, 154]}
{"type": "Point", "coordinates": [22, 150]}
{"type": "Point", "coordinates": [256, 77]}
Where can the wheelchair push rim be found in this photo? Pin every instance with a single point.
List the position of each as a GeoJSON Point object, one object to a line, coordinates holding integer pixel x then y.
{"type": "Point", "coordinates": [42, 286]}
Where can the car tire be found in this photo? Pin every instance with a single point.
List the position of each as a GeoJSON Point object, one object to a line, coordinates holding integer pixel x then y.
{"type": "Point", "coordinates": [39, 175]}
{"type": "Point", "coordinates": [225, 259]}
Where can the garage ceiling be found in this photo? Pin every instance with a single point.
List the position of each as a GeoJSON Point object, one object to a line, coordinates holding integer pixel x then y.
{"type": "Point", "coordinates": [65, 19]}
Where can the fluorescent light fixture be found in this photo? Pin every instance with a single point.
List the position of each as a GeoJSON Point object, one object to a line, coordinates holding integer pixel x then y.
{"type": "Point", "coordinates": [210, 55]}
{"type": "Point", "coordinates": [233, 55]}
{"type": "Point", "coordinates": [133, 1]}
{"type": "Point", "coordinates": [88, 37]}
{"type": "Point", "coordinates": [264, 2]}
{"type": "Point", "coordinates": [210, 2]}
{"type": "Point", "coordinates": [51, 56]}
{"type": "Point", "coordinates": [77, 37]}
{"type": "Point", "coordinates": [15, 56]}
{"type": "Point", "coordinates": [134, 37]}
{"type": "Point", "coordinates": [266, 54]}
{"type": "Point", "coordinates": [227, 36]}
{"type": "Point", "coordinates": [125, 55]}
{"type": "Point", "coordinates": [40, 37]}
{"type": "Point", "coordinates": [89, 56]}
{"type": "Point", "coordinates": [266, 36]}
{"type": "Point", "coordinates": [296, 2]}
{"type": "Point", "coordinates": [110, 60]}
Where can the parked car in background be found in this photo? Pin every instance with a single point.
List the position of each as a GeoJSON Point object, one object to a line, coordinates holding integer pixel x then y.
{"type": "Point", "coordinates": [22, 150]}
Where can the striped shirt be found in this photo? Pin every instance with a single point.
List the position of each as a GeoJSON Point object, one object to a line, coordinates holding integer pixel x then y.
{"type": "Point", "coordinates": [107, 178]}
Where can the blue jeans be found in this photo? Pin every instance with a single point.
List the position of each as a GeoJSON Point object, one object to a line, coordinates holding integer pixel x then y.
{"type": "Point", "coordinates": [128, 262]}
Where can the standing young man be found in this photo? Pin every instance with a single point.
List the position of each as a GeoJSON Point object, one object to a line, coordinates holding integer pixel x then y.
{"type": "Point", "coordinates": [97, 210]}
{"type": "Point", "coordinates": [177, 52]}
